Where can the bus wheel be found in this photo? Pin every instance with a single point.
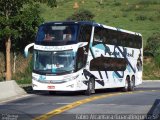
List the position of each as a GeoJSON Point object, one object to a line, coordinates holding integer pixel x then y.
{"type": "Point", "coordinates": [132, 84]}
{"type": "Point", "coordinates": [52, 92]}
{"type": "Point", "coordinates": [126, 87]}
{"type": "Point", "coordinates": [91, 86]}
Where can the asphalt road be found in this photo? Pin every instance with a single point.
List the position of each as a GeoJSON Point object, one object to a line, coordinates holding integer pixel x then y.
{"type": "Point", "coordinates": [105, 104]}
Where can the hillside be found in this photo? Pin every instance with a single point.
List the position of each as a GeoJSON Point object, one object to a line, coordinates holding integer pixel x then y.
{"type": "Point", "coordinates": [141, 16]}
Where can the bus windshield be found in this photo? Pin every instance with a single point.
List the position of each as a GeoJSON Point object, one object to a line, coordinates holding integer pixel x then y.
{"type": "Point", "coordinates": [54, 62]}
{"type": "Point", "coordinates": [58, 34]}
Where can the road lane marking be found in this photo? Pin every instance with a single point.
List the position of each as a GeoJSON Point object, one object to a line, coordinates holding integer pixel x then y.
{"type": "Point", "coordinates": [83, 101]}
{"type": "Point", "coordinates": [71, 106]}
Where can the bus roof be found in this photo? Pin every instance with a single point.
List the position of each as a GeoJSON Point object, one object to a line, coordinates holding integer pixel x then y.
{"type": "Point", "coordinates": [94, 24]}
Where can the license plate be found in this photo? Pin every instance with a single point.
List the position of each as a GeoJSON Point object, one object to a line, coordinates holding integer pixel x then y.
{"type": "Point", "coordinates": [51, 87]}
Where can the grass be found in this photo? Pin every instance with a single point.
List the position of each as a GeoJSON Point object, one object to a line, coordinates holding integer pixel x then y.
{"type": "Point", "coordinates": [151, 71]}
{"type": "Point", "coordinates": [141, 16]}
{"type": "Point", "coordinates": [135, 15]}
{"type": "Point", "coordinates": [26, 77]}
{"type": "Point", "coordinates": [27, 80]}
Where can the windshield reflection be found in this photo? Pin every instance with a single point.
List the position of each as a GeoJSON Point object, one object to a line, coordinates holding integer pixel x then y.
{"type": "Point", "coordinates": [57, 34]}
{"type": "Point", "coordinates": [54, 62]}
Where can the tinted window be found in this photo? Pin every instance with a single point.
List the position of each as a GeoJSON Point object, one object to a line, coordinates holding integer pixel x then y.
{"type": "Point", "coordinates": [81, 58]}
{"type": "Point", "coordinates": [85, 33]}
{"type": "Point", "coordinates": [108, 64]}
{"type": "Point", "coordinates": [118, 38]}
{"type": "Point", "coordinates": [57, 34]}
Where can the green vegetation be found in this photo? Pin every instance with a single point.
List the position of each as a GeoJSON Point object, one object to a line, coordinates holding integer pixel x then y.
{"type": "Point", "coordinates": [153, 45]}
{"type": "Point", "coordinates": [150, 70]}
{"type": "Point", "coordinates": [18, 23]}
{"type": "Point", "coordinates": [26, 77]}
{"type": "Point", "coordinates": [141, 16]}
{"type": "Point", "coordinates": [82, 15]}
{"type": "Point", "coordinates": [152, 50]}
{"type": "Point", "coordinates": [135, 15]}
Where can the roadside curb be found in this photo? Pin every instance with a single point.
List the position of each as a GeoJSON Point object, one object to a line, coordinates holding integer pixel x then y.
{"type": "Point", "coordinates": [9, 90]}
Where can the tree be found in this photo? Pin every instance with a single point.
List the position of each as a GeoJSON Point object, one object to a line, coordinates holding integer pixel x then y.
{"type": "Point", "coordinates": [153, 45]}
{"type": "Point", "coordinates": [153, 48]}
{"type": "Point", "coordinates": [14, 21]}
{"type": "Point", "coordinates": [27, 22]}
{"type": "Point", "coordinates": [82, 15]}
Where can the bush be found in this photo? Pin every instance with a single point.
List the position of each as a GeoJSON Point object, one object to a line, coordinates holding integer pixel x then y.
{"type": "Point", "coordinates": [153, 45]}
{"type": "Point", "coordinates": [82, 15]}
{"type": "Point", "coordinates": [116, 15]}
{"type": "Point", "coordinates": [116, 3]}
{"type": "Point", "coordinates": [148, 2]}
{"type": "Point", "coordinates": [141, 17]}
{"type": "Point", "coordinates": [124, 15]}
{"type": "Point", "coordinates": [157, 60]}
{"type": "Point", "coordinates": [151, 18]}
{"type": "Point", "coordinates": [25, 77]}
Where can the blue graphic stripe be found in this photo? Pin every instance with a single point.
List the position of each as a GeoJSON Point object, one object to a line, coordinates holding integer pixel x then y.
{"type": "Point", "coordinates": [94, 58]}
{"type": "Point", "coordinates": [126, 59]}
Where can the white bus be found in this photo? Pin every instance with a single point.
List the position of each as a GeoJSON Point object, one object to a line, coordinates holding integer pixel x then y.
{"type": "Point", "coordinates": [85, 56]}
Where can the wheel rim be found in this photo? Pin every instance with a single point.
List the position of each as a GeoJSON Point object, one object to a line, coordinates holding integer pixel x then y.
{"type": "Point", "coordinates": [126, 84]}
{"type": "Point", "coordinates": [133, 83]}
{"type": "Point", "coordinates": [90, 86]}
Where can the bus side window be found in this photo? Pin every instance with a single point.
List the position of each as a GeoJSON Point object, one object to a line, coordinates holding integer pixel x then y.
{"type": "Point", "coordinates": [85, 33]}
{"type": "Point", "coordinates": [108, 64]}
{"type": "Point", "coordinates": [81, 58]}
{"type": "Point", "coordinates": [99, 36]}
{"type": "Point", "coordinates": [138, 41]}
{"type": "Point", "coordinates": [67, 34]}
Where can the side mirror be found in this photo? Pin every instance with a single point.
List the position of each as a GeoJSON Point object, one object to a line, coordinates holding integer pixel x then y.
{"type": "Point", "coordinates": [26, 50]}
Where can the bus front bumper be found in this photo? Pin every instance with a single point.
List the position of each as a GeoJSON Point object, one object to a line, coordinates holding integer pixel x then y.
{"type": "Point", "coordinates": [67, 86]}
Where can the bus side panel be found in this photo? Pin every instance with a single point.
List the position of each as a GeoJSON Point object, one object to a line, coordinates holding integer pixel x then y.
{"type": "Point", "coordinates": [113, 79]}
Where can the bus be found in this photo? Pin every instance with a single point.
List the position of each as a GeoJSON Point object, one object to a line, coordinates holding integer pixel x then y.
{"type": "Point", "coordinates": [85, 56]}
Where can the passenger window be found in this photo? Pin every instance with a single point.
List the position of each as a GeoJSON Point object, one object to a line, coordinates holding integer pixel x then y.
{"type": "Point", "coordinates": [117, 38]}
{"type": "Point", "coordinates": [99, 36]}
{"type": "Point", "coordinates": [81, 58]}
{"type": "Point", "coordinates": [108, 64]}
{"type": "Point", "coordinates": [85, 33]}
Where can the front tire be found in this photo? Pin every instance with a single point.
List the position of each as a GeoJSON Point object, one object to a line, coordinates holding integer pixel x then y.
{"type": "Point", "coordinates": [126, 87]}
{"type": "Point", "coordinates": [132, 84]}
{"type": "Point", "coordinates": [91, 86]}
